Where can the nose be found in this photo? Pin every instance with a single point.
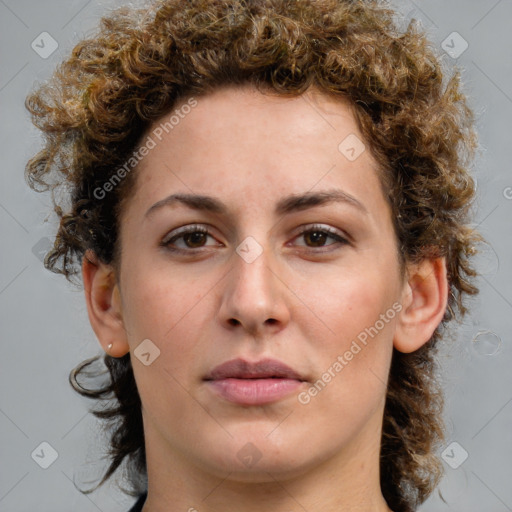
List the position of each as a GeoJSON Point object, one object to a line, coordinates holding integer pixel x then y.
{"type": "Point", "coordinates": [255, 296]}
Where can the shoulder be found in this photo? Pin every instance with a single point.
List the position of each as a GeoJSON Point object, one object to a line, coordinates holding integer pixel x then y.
{"type": "Point", "coordinates": [137, 507]}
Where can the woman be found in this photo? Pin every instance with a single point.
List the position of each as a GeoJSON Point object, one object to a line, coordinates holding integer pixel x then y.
{"type": "Point", "coordinates": [269, 208]}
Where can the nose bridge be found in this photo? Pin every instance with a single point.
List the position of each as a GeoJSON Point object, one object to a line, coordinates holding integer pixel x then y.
{"type": "Point", "coordinates": [253, 295]}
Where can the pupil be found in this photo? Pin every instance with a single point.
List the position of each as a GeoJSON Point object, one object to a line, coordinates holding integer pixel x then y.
{"type": "Point", "coordinates": [316, 236]}
{"type": "Point", "coordinates": [195, 238]}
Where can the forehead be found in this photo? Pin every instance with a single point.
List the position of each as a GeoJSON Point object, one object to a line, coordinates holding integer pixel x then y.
{"type": "Point", "coordinates": [252, 148]}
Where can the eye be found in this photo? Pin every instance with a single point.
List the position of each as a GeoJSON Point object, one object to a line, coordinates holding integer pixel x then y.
{"type": "Point", "coordinates": [317, 235]}
{"type": "Point", "coordinates": [194, 237]}
{"type": "Point", "coordinates": [186, 239]}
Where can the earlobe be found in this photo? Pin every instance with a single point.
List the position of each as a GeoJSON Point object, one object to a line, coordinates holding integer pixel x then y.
{"type": "Point", "coordinates": [424, 303]}
{"type": "Point", "coordinates": [103, 301]}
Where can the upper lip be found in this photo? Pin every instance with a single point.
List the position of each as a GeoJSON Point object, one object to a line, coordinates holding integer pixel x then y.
{"type": "Point", "coordinates": [242, 369]}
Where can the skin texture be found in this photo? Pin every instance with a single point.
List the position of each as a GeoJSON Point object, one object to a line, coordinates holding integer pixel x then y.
{"type": "Point", "coordinates": [300, 301]}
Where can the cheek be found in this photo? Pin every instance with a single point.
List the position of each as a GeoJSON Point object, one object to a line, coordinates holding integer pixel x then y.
{"type": "Point", "coordinates": [156, 303]}
{"type": "Point", "coordinates": [351, 338]}
{"type": "Point", "coordinates": [171, 312]}
{"type": "Point", "coordinates": [353, 364]}
{"type": "Point", "coordinates": [167, 312]}
{"type": "Point", "coordinates": [342, 305]}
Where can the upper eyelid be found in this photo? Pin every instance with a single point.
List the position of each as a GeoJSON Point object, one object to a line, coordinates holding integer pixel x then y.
{"type": "Point", "coordinates": [334, 233]}
{"type": "Point", "coordinates": [189, 228]}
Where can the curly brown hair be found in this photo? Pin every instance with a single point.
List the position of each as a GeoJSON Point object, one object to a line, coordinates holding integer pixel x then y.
{"type": "Point", "coordinates": [411, 111]}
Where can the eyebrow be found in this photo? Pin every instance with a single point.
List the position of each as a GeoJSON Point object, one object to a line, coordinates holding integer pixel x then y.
{"type": "Point", "coordinates": [286, 205]}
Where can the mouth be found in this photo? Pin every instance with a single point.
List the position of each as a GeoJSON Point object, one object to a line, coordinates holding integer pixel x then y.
{"type": "Point", "coordinates": [258, 383]}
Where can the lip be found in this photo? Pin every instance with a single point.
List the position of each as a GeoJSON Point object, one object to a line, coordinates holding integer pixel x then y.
{"type": "Point", "coordinates": [253, 383]}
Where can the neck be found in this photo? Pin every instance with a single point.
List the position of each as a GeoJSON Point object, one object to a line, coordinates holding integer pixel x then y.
{"type": "Point", "coordinates": [184, 486]}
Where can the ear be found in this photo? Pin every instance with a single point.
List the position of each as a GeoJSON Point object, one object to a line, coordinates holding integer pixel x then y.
{"type": "Point", "coordinates": [104, 305]}
{"type": "Point", "coordinates": [424, 301]}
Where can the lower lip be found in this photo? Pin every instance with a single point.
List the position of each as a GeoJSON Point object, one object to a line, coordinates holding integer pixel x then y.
{"type": "Point", "coordinates": [254, 391]}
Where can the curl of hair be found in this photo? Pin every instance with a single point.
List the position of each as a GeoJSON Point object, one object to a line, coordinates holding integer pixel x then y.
{"type": "Point", "coordinates": [415, 120]}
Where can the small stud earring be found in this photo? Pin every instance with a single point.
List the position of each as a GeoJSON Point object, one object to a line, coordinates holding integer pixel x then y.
{"type": "Point", "coordinates": [109, 347]}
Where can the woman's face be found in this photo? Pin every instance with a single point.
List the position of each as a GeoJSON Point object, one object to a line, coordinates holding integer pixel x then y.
{"type": "Point", "coordinates": [244, 284]}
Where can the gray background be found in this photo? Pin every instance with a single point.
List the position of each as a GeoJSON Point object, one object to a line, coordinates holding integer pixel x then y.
{"type": "Point", "coordinates": [44, 326]}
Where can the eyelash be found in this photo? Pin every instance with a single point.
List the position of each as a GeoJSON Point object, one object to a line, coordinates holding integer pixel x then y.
{"type": "Point", "coordinates": [315, 228]}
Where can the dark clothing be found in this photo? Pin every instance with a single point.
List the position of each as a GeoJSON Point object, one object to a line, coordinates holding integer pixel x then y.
{"type": "Point", "coordinates": [137, 507]}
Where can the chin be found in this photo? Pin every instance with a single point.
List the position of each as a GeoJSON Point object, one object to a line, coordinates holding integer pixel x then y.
{"type": "Point", "coordinates": [258, 459]}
